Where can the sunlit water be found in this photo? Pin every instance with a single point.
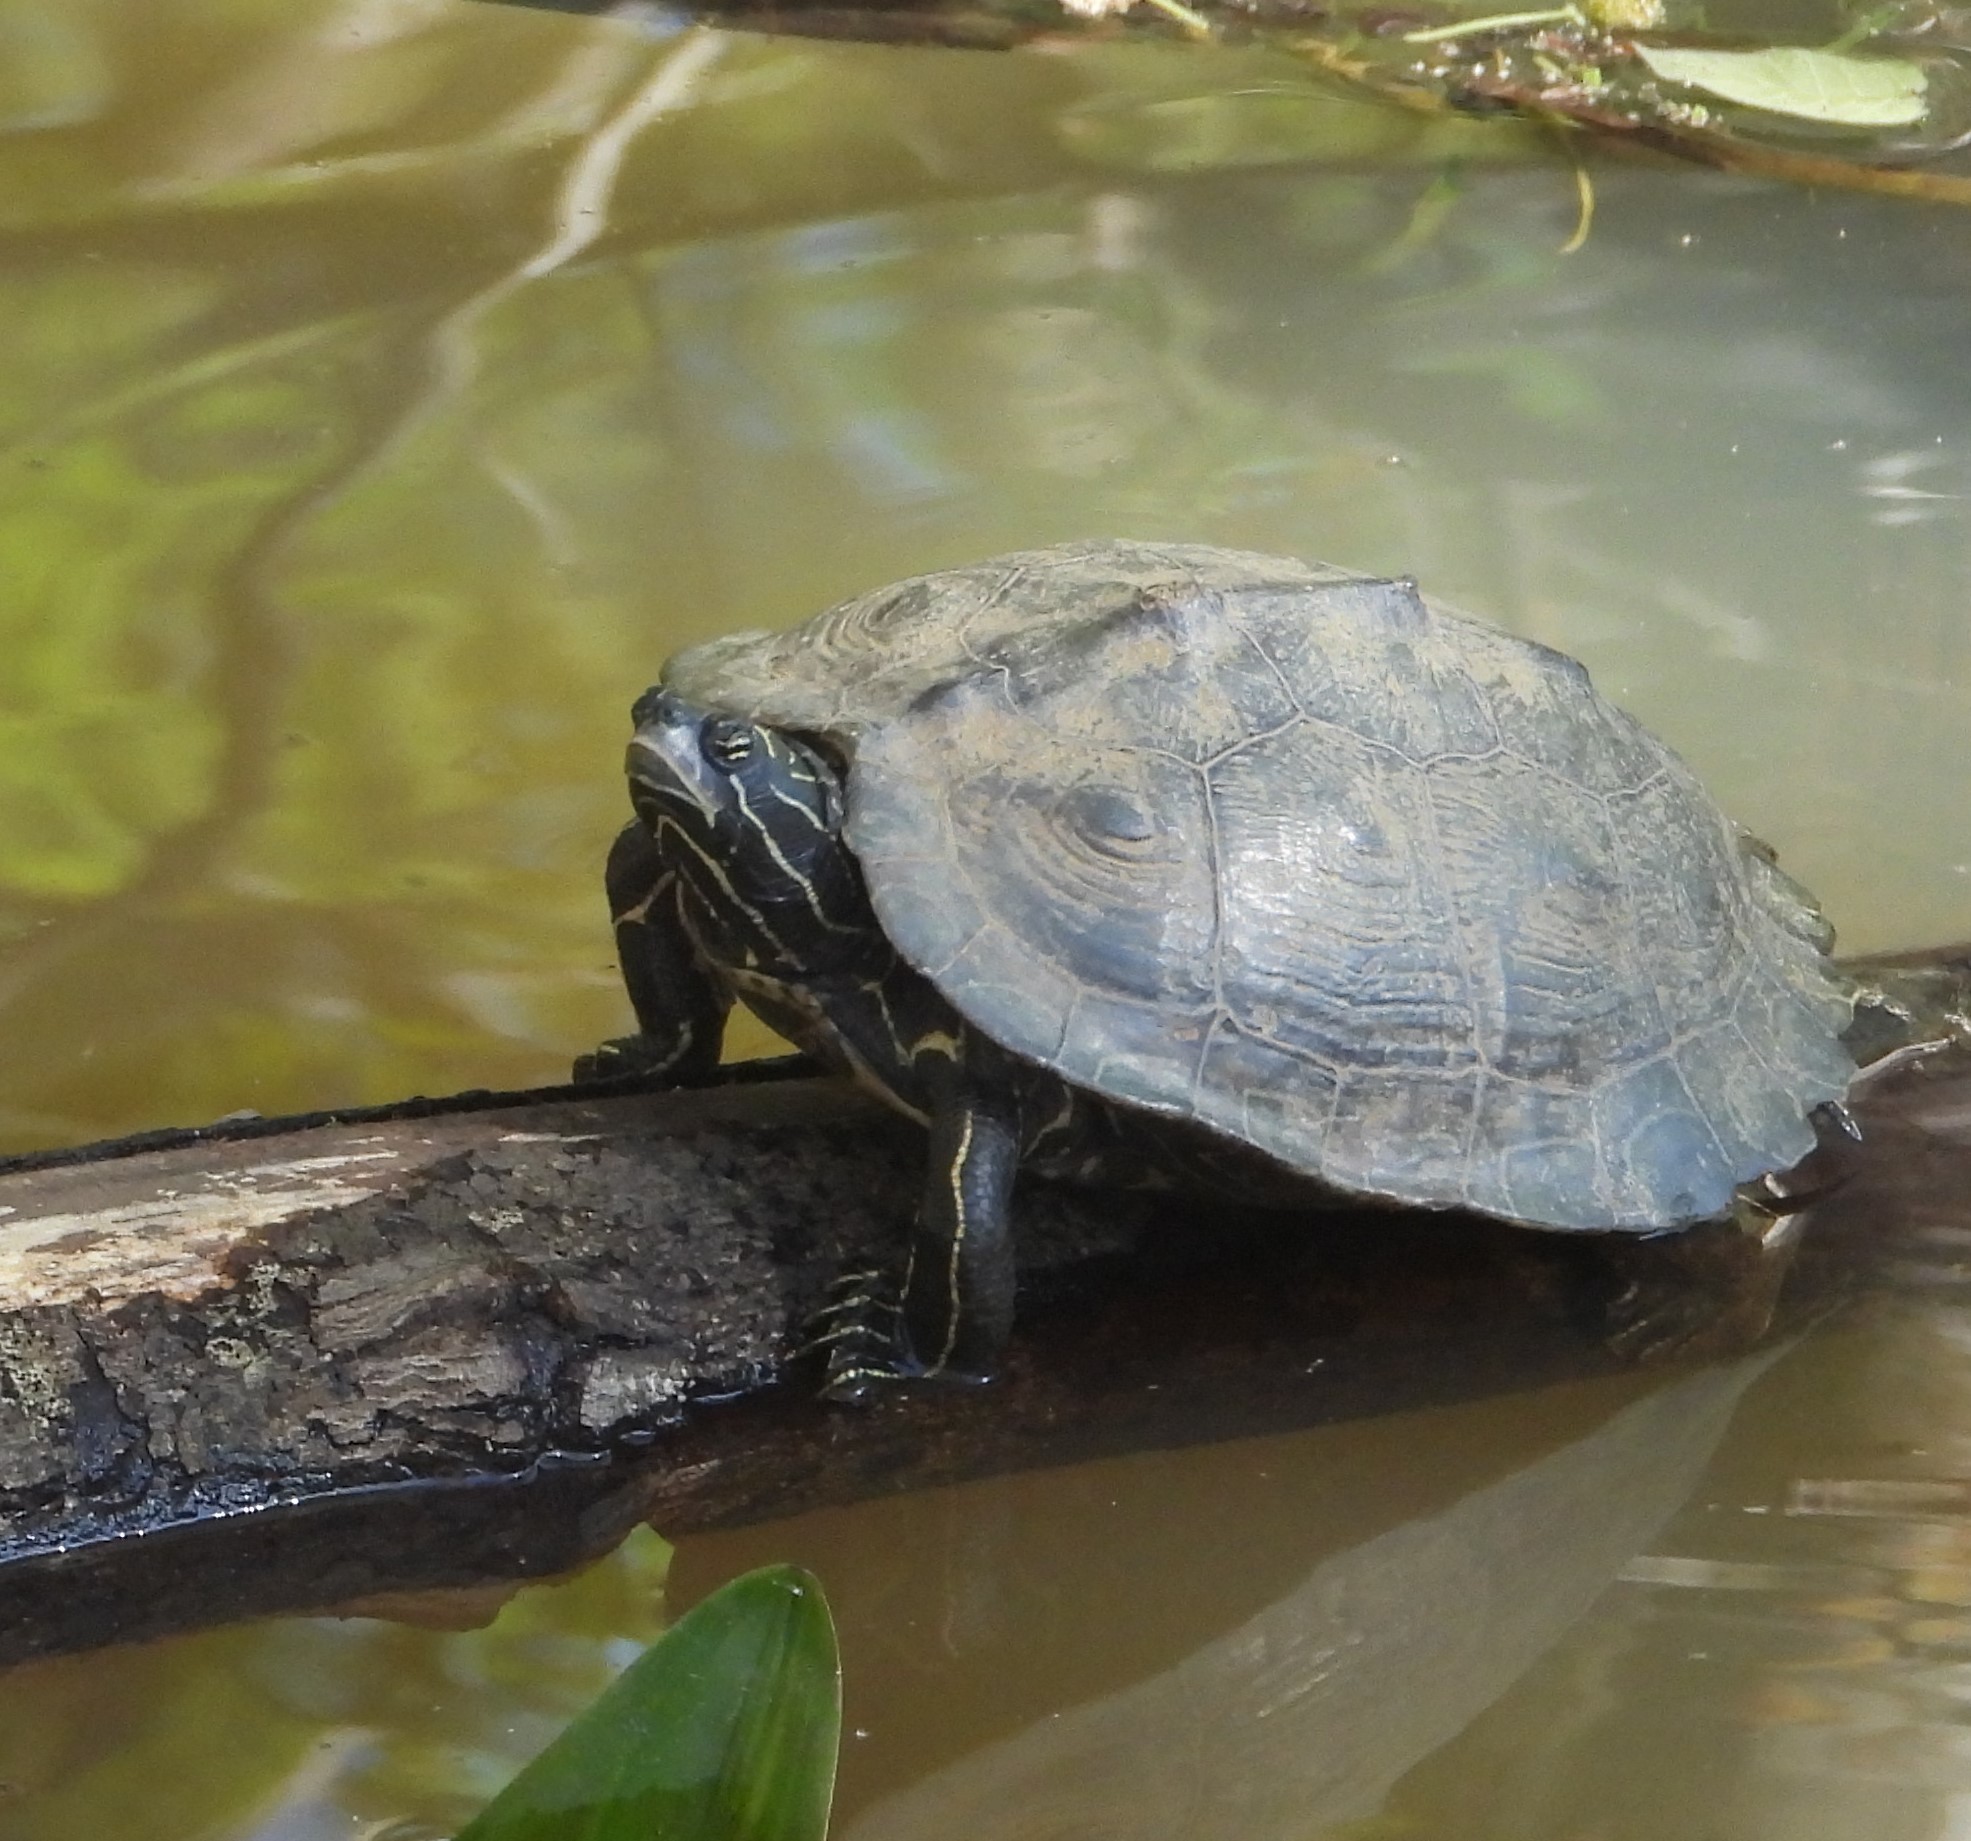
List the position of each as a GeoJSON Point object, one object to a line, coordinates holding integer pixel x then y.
{"type": "Point", "coordinates": [387, 387]}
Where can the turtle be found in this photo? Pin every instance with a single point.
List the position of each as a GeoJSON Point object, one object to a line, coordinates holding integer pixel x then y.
{"type": "Point", "coordinates": [1162, 863]}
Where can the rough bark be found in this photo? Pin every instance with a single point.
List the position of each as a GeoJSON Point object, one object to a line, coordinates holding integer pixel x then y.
{"type": "Point", "coordinates": [308, 1361]}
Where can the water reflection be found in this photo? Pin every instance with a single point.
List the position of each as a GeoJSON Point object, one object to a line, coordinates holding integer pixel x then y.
{"type": "Point", "coordinates": [1804, 1669]}
{"type": "Point", "coordinates": [1250, 1639]}
{"type": "Point", "coordinates": [306, 1729]}
{"type": "Point", "coordinates": [1246, 1642]}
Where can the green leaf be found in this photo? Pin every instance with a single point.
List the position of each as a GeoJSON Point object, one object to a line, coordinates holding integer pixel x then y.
{"type": "Point", "coordinates": [1822, 86]}
{"type": "Point", "coordinates": [724, 1729]}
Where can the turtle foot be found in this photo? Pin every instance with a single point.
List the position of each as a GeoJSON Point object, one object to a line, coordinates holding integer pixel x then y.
{"type": "Point", "coordinates": [1700, 1293]}
{"type": "Point", "coordinates": [859, 1332]}
{"type": "Point", "coordinates": [622, 1058]}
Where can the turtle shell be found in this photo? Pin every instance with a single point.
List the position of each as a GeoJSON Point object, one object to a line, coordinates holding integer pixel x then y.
{"type": "Point", "coordinates": [1388, 894]}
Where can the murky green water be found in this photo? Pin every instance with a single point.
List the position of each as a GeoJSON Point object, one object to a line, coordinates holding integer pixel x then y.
{"type": "Point", "coordinates": [388, 386]}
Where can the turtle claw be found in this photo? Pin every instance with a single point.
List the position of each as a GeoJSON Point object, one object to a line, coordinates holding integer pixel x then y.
{"type": "Point", "coordinates": [859, 1332]}
{"type": "Point", "coordinates": [859, 1383]}
{"type": "Point", "coordinates": [615, 1059]}
{"type": "Point", "coordinates": [855, 1301]}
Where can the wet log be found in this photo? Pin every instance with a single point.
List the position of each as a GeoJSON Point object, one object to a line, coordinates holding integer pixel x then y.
{"type": "Point", "coordinates": [283, 1365]}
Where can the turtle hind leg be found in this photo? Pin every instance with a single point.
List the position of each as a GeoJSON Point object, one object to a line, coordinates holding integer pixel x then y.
{"type": "Point", "coordinates": [1699, 1292]}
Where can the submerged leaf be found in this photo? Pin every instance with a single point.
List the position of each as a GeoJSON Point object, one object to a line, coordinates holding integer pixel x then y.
{"type": "Point", "coordinates": [1822, 86]}
{"type": "Point", "coordinates": [724, 1729]}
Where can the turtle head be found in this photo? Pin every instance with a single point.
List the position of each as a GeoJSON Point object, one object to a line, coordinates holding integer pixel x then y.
{"type": "Point", "coordinates": [752, 819]}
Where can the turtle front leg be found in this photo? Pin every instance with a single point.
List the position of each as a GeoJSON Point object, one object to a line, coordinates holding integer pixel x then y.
{"type": "Point", "coordinates": [680, 1010]}
{"type": "Point", "coordinates": [959, 1282]}
{"type": "Point", "coordinates": [956, 1308]}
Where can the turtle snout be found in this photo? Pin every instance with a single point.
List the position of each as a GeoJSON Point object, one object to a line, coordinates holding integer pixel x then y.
{"type": "Point", "coordinates": [656, 705]}
{"type": "Point", "coordinates": [664, 762]}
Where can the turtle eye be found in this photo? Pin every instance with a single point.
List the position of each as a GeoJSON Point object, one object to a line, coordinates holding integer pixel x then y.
{"type": "Point", "coordinates": [727, 742]}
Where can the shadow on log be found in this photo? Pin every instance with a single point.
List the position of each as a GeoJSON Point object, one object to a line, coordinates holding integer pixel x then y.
{"type": "Point", "coordinates": [284, 1365]}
